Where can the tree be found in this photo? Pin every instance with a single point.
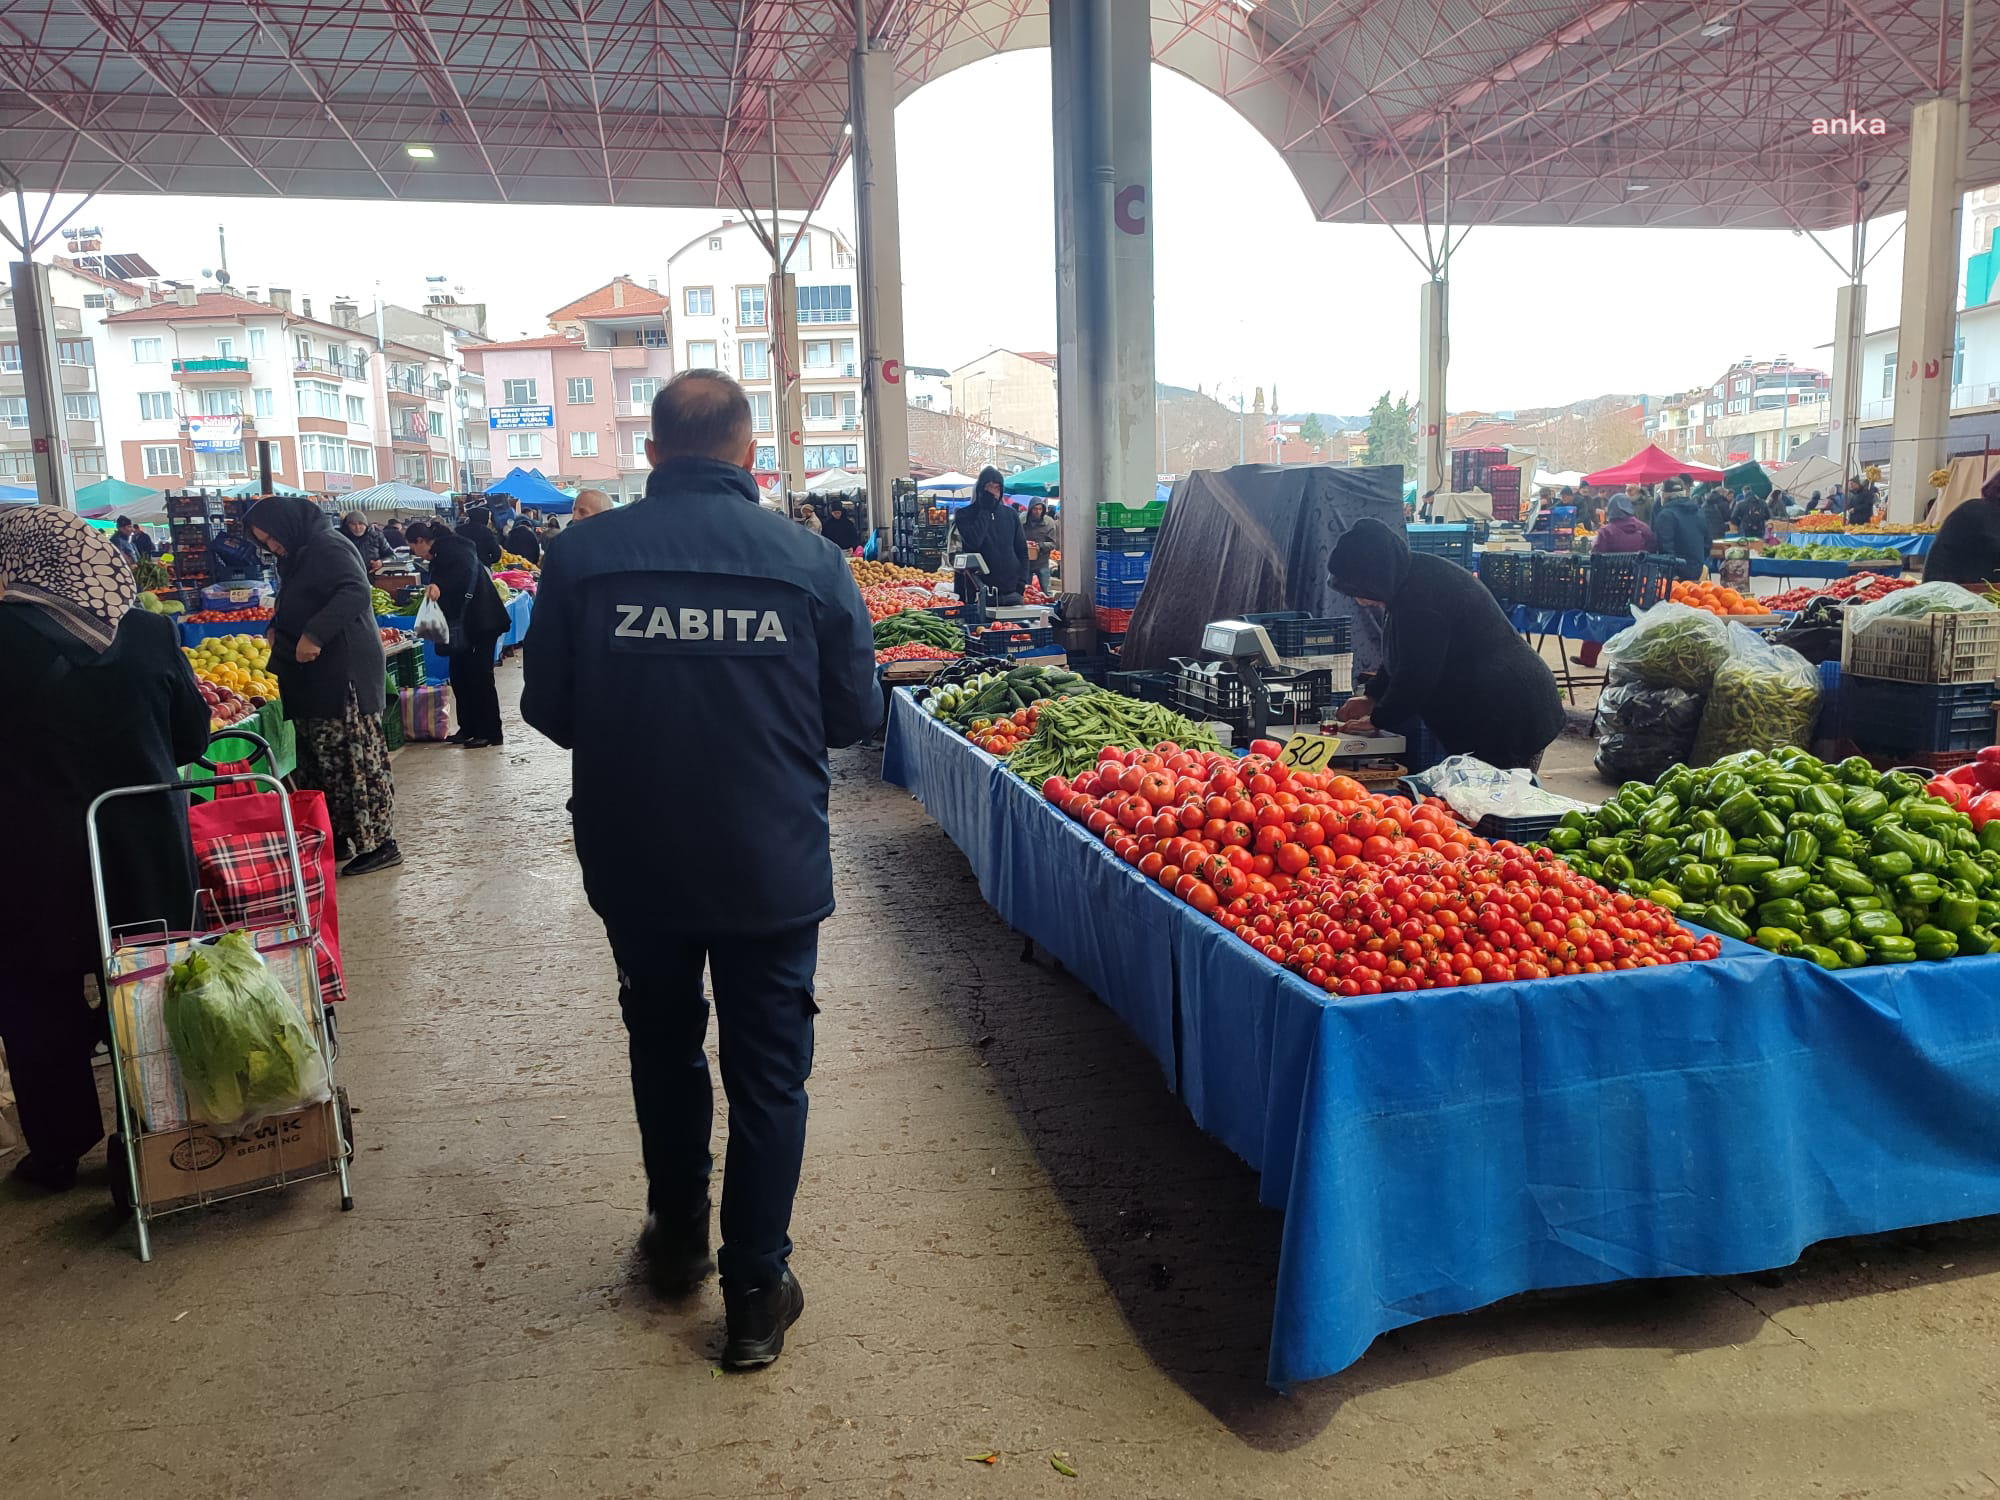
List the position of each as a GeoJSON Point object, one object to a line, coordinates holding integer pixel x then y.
{"type": "Point", "coordinates": [1311, 430]}
{"type": "Point", "coordinates": [1391, 432]}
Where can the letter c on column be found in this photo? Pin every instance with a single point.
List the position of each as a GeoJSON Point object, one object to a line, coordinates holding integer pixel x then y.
{"type": "Point", "coordinates": [1130, 208]}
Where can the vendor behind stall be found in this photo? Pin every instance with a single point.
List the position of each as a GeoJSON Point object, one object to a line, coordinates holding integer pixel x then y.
{"type": "Point", "coordinates": [1679, 528]}
{"type": "Point", "coordinates": [1966, 548]}
{"type": "Point", "coordinates": [1451, 661]}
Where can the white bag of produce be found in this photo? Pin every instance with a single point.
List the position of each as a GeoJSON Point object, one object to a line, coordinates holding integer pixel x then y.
{"type": "Point", "coordinates": [1914, 604]}
{"type": "Point", "coordinates": [1764, 697]}
{"type": "Point", "coordinates": [431, 624]}
{"type": "Point", "coordinates": [1670, 645]}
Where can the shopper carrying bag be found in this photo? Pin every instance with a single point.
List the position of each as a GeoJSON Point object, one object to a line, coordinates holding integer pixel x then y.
{"type": "Point", "coordinates": [463, 591]}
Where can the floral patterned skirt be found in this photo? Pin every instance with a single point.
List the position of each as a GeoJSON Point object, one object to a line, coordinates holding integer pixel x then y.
{"type": "Point", "coordinates": [348, 760]}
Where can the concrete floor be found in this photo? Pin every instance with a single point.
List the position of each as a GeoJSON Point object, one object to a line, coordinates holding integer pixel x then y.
{"type": "Point", "coordinates": [1011, 1238]}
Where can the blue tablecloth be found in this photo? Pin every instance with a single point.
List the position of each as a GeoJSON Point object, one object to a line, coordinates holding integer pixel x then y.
{"type": "Point", "coordinates": [194, 632]}
{"type": "Point", "coordinates": [1909, 543]}
{"type": "Point", "coordinates": [1799, 567]}
{"type": "Point", "coordinates": [1435, 1152]}
{"type": "Point", "coordinates": [519, 609]}
{"type": "Point", "coordinates": [1570, 624]}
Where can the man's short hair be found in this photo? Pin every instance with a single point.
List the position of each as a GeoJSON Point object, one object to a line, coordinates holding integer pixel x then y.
{"type": "Point", "coordinates": [123, 522]}
{"type": "Point", "coordinates": [590, 503]}
{"type": "Point", "coordinates": [701, 414]}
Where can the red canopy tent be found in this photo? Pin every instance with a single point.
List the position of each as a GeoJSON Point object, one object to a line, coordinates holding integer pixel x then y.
{"type": "Point", "coordinates": [1650, 465]}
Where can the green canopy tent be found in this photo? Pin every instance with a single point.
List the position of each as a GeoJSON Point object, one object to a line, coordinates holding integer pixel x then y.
{"type": "Point", "coordinates": [252, 489]}
{"type": "Point", "coordinates": [1043, 479]}
{"type": "Point", "coordinates": [109, 499]}
{"type": "Point", "coordinates": [1751, 477]}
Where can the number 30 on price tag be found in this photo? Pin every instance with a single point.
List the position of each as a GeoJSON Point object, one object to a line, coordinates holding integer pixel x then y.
{"type": "Point", "coordinates": [1307, 752]}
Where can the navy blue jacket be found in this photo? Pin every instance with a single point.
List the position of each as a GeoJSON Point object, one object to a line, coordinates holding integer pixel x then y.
{"type": "Point", "coordinates": [1678, 528]}
{"type": "Point", "coordinates": [699, 654]}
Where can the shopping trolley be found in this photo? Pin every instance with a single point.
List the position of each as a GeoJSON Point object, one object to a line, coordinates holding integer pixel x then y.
{"type": "Point", "coordinates": [170, 1161]}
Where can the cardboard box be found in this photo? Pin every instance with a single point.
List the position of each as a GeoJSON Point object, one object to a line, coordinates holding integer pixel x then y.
{"type": "Point", "coordinates": [192, 1164]}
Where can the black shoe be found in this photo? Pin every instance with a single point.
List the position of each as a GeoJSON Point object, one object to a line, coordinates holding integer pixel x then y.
{"type": "Point", "coordinates": [48, 1173]}
{"type": "Point", "coordinates": [458, 738]}
{"type": "Point", "coordinates": [474, 742]}
{"type": "Point", "coordinates": [676, 1253]}
{"type": "Point", "coordinates": [381, 857]}
{"type": "Point", "coordinates": [757, 1322]}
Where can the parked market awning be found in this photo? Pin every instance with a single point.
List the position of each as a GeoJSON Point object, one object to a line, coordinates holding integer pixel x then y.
{"type": "Point", "coordinates": [1650, 465]}
{"type": "Point", "coordinates": [393, 495]}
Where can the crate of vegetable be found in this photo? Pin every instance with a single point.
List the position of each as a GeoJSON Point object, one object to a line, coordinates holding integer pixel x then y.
{"type": "Point", "coordinates": [1840, 863]}
{"type": "Point", "coordinates": [918, 627]}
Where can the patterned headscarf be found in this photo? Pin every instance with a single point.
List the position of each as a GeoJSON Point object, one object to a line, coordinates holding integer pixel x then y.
{"type": "Point", "coordinates": [54, 559]}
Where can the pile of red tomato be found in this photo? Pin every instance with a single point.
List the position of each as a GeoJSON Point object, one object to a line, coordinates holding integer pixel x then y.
{"type": "Point", "coordinates": [226, 616]}
{"type": "Point", "coordinates": [1356, 893]}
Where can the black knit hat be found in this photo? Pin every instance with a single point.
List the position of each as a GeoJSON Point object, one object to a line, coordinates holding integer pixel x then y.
{"type": "Point", "coordinates": [1370, 561]}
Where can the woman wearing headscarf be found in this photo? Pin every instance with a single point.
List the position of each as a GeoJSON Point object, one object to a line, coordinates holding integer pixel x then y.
{"type": "Point", "coordinates": [1967, 546]}
{"type": "Point", "coordinates": [478, 530]}
{"type": "Point", "coordinates": [839, 528]}
{"type": "Point", "coordinates": [524, 543]}
{"type": "Point", "coordinates": [1622, 531]}
{"type": "Point", "coordinates": [98, 696]}
{"type": "Point", "coordinates": [1039, 532]}
{"type": "Point", "coordinates": [464, 591]}
{"type": "Point", "coordinates": [326, 653]}
{"type": "Point", "coordinates": [369, 542]}
{"type": "Point", "coordinates": [1450, 659]}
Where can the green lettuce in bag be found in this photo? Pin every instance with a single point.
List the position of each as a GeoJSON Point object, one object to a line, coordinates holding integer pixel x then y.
{"type": "Point", "coordinates": [242, 1044]}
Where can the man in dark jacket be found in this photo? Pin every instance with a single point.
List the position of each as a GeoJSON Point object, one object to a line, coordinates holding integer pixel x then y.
{"type": "Point", "coordinates": [1967, 546]}
{"type": "Point", "coordinates": [523, 542]}
{"type": "Point", "coordinates": [695, 648]}
{"type": "Point", "coordinates": [1450, 659]}
{"type": "Point", "coordinates": [485, 540]}
{"type": "Point", "coordinates": [1751, 515]}
{"type": "Point", "coordinates": [1859, 502]}
{"type": "Point", "coordinates": [1679, 528]}
{"type": "Point", "coordinates": [988, 526]}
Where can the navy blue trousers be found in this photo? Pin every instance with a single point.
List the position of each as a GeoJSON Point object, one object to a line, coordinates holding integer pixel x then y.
{"type": "Point", "coordinates": [764, 1018]}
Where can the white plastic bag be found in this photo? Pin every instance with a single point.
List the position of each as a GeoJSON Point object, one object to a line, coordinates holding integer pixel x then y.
{"type": "Point", "coordinates": [431, 624]}
{"type": "Point", "coordinates": [1764, 697]}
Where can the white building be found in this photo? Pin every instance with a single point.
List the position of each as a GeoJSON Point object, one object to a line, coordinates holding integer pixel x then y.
{"type": "Point", "coordinates": [719, 283]}
{"type": "Point", "coordinates": [82, 299]}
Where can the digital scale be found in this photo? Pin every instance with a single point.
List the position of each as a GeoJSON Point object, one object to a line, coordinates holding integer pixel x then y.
{"type": "Point", "coordinates": [1244, 649]}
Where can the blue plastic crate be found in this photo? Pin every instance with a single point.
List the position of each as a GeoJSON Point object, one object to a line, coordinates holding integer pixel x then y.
{"type": "Point", "coordinates": [1891, 717]}
{"type": "Point", "coordinates": [1293, 632]}
{"type": "Point", "coordinates": [1126, 538]}
{"type": "Point", "coordinates": [1119, 595]}
{"type": "Point", "coordinates": [1123, 567]}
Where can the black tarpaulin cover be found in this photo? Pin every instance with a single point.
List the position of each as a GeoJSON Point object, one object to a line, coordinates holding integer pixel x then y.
{"type": "Point", "coordinates": [1252, 539]}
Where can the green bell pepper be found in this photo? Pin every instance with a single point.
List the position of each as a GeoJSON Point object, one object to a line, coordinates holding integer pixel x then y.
{"type": "Point", "coordinates": [1852, 953]}
{"type": "Point", "coordinates": [1703, 818]}
{"type": "Point", "coordinates": [1957, 912]}
{"type": "Point", "coordinates": [1721, 788]}
{"type": "Point", "coordinates": [1966, 870]}
{"type": "Point", "coordinates": [1846, 878]}
{"type": "Point", "coordinates": [1934, 943]}
{"type": "Point", "coordinates": [1618, 869]}
{"type": "Point", "coordinates": [1826, 958]}
{"type": "Point", "coordinates": [1989, 836]}
{"type": "Point", "coordinates": [1818, 896]}
{"type": "Point", "coordinates": [1563, 839]}
{"type": "Point", "coordinates": [1891, 866]}
{"type": "Point", "coordinates": [1876, 924]}
{"type": "Point", "coordinates": [1977, 939]}
{"type": "Point", "coordinates": [1786, 880]}
{"type": "Point", "coordinates": [1574, 818]}
{"type": "Point", "coordinates": [1678, 782]}
{"type": "Point", "coordinates": [1737, 898]}
{"type": "Point", "coordinates": [1699, 879]}
{"type": "Point", "coordinates": [1864, 808]}
{"type": "Point", "coordinates": [1740, 811]}
{"type": "Point", "coordinates": [1777, 939]}
{"type": "Point", "coordinates": [1855, 771]}
{"type": "Point", "coordinates": [1920, 889]}
{"type": "Point", "coordinates": [1892, 950]}
{"type": "Point", "coordinates": [1933, 815]}
{"type": "Point", "coordinates": [1717, 844]}
{"type": "Point", "coordinates": [1603, 846]}
{"type": "Point", "coordinates": [1655, 855]}
{"type": "Point", "coordinates": [1899, 784]}
{"type": "Point", "coordinates": [1660, 815]}
{"type": "Point", "coordinates": [1826, 827]}
{"type": "Point", "coordinates": [1846, 845]}
{"type": "Point", "coordinates": [1742, 869]}
{"type": "Point", "coordinates": [1721, 919]}
{"type": "Point", "coordinates": [1613, 818]}
{"type": "Point", "coordinates": [1665, 896]}
{"type": "Point", "coordinates": [1782, 912]}
{"type": "Point", "coordinates": [1828, 923]}
{"type": "Point", "coordinates": [1693, 911]}
{"type": "Point", "coordinates": [1965, 837]}
{"type": "Point", "coordinates": [1823, 800]}
{"type": "Point", "coordinates": [1767, 825]}
{"type": "Point", "coordinates": [1785, 783]}
{"type": "Point", "coordinates": [1801, 849]}
{"type": "Point", "coordinates": [1869, 902]}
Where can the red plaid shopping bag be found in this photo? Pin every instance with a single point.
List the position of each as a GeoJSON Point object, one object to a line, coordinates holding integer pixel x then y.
{"type": "Point", "coordinates": [240, 860]}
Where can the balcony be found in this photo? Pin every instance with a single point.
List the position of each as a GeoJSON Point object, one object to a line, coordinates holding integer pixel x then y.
{"type": "Point", "coordinates": [213, 371]}
{"type": "Point", "coordinates": [409, 437]}
{"type": "Point", "coordinates": [409, 397]}
{"type": "Point", "coordinates": [635, 411]}
{"type": "Point", "coordinates": [346, 369]}
{"type": "Point", "coordinates": [630, 356]}
{"type": "Point", "coordinates": [832, 372]}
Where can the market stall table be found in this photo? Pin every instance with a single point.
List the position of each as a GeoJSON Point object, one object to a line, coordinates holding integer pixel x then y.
{"type": "Point", "coordinates": [1537, 625]}
{"type": "Point", "coordinates": [1912, 544]}
{"type": "Point", "coordinates": [1434, 1153]}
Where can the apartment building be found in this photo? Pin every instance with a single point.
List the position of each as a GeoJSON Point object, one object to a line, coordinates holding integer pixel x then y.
{"type": "Point", "coordinates": [1012, 390]}
{"type": "Point", "coordinates": [194, 382]}
{"type": "Point", "coordinates": [720, 287]}
{"type": "Point", "coordinates": [445, 328]}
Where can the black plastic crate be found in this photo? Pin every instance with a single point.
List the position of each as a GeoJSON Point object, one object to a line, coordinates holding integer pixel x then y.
{"type": "Point", "coordinates": [1022, 640]}
{"type": "Point", "coordinates": [1295, 633]}
{"type": "Point", "coordinates": [1147, 687]}
{"type": "Point", "coordinates": [1448, 541]}
{"type": "Point", "coordinates": [1616, 581]}
{"type": "Point", "coordinates": [1528, 828]}
{"type": "Point", "coordinates": [1503, 574]}
{"type": "Point", "coordinates": [1127, 538]}
{"type": "Point", "coordinates": [1556, 580]}
{"type": "Point", "coordinates": [1226, 699]}
{"type": "Point", "coordinates": [1884, 716]}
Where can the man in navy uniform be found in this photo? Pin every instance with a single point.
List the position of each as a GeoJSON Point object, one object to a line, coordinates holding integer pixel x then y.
{"type": "Point", "coordinates": [698, 654]}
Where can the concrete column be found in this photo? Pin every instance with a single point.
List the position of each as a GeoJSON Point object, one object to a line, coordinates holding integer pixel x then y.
{"type": "Point", "coordinates": [1100, 57]}
{"type": "Point", "coordinates": [1930, 297]}
{"type": "Point", "coordinates": [1850, 323]}
{"type": "Point", "coordinates": [1434, 334]}
{"type": "Point", "coordinates": [787, 396]}
{"type": "Point", "coordinates": [35, 327]}
{"type": "Point", "coordinates": [885, 419]}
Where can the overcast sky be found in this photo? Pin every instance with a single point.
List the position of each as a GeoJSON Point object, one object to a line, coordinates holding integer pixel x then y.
{"type": "Point", "coordinates": [1250, 290]}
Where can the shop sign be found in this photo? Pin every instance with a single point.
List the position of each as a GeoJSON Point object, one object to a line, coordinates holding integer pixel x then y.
{"type": "Point", "coordinates": [519, 418]}
{"type": "Point", "coordinates": [216, 434]}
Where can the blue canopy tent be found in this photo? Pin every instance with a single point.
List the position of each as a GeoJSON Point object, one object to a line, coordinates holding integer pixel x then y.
{"type": "Point", "coordinates": [532, 492]}
{"type": "Point", "coordinates": [17, 492]}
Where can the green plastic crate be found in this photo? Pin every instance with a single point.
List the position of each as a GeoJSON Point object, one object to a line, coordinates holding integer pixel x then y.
{"type": "Point", "coordinates": [1112, 514]}
{"type": "Point", "coordinates": [392, 723]}
{"type": "Point", "coordinates": [406, 668]}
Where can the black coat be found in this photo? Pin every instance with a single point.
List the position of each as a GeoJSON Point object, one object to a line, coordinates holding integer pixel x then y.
{"type": "Point", "coordinates": [465, 590]}
{"type": "Point", "coordinates": [1450, 658]}
{"type": "Point", "coordinates": [78, 723]}
{"type": "Point", "coordinates": [323, 592]}
{"type": "Point", "coordinates": [485, 540]}
{"type": "Point", "coordinates": [523, 542]}
{"type": "Point", "coordinates": [698, 654]}
{"type": "Point", "coordinates": [993, 530]}
{"type": "Point", "coordinates": [370, 544]}
{"type": "Point", "coordinates": [841, 530]}
{"type": "Point", "coordinates": [1678, 528]}
{"type": "Point", "coordinates": [1966, 548]}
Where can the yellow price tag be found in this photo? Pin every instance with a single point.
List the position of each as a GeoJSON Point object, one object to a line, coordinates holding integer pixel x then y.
{"type": "Point", "coordinates": [1307, 752]}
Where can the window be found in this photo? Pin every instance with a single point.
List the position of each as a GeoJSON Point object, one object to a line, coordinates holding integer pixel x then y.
{"type": "Point", "coordinates": [524, 445]}
{"type": "Point", "coordinates": [830, 455]}
{"type": "Point", "coordinates": [843, 355]}
{"type": "Point", "coordinates": [327, 454]}
{"type": "Point", "coordinates": [15, 410]}
{"type": "Point", "coordinates": [156, 406]}
{"type": "Point", "coordinates": [715, 242]}
{"type": "Point", "coordinates": [80, 407]}
{"type": "Point", "coordinates": [318, 398]}
{"type": "Point", "coordinates": [653, 338]}
{"type": "Point", "coordinates": [149, 352]}
{"type": "Point", "coordinates": [843, 258]}
{"type": "Point", "coordinates": [20, 463]}
{"type": "Point", "coordinates": [96, 299]}
{"type": "Point", "coordinates": [583, 445]}
{"type": "Point", "coordinates": [225, 348]}
{"type": "Point", "coordinates": [410, 467]}
{"type": "Point", "coordinates": [357, 410]}
{"type": "Point", "coordinates": [701, 354]}
{"type": "Point", "coordinates": [165, 459]}
{"type": "Point", "coordinates": [435, 421]}
{"type": "Point", "coordinates": [755, 357]}
{"type": "Point", "coordinates": [1888, 375]}
{"type": "Point", "coordinates": [760, 411]}
{"type": "Point", "coordinates": [582, 390]}
{"type": "Point", "coordinates": [263, 401]}
{"type": "Point", "coordinates": [849, 411]}
{"type": "Point", "coordinates": [218, 465]}
{"type": "Point", "coordinates": [819, 406]}
{"type": "Point", "coordinates": [75, 352]}
{"type": "Point", "coordinates": [87, 461]}
{"type": "Point", "coordinates": [10, 359]}
{"type": "Point", "coordinates": [826, 304]}
{"type": "Point", "coordinates": [818, 354]}
{"type": "Point", "coordinates": [796, 252]}
{"type": "Point", "coordinates": [518, 392]}
{"type": "Point", "coordinates": [256, 343]}
{"type": "Point", "coordinates": [699, 301]}
{"type": "Point", "coordinates": [224, 403]}
{"type": "Point", "coordinates": [360, 459]}
{"type": "Point", "coordinates": [767, 457]}
{"type": "Point", "coordinates": [750, 307]}
{"type": "Point", "coordinates": [440, 471]}
{"type": "Point", "coordinates": [643, 391]}
{"type": "Point", "coordinates": [639, 446]}
{"type": "Point", "coordinates": [302, 345]}
{"type": "Point", "coordinates": [1958, 361]}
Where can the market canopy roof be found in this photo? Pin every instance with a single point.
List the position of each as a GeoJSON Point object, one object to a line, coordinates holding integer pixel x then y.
{"type": "Point", "coordinates": [949, 482]}
{"type": "Point", "coordinates": [17, 492]}
{"type": "Point", "coordinates": [533, 491]}
{"type": "Point", "coordinates": [1650, 465]}
{"type": "Point", "coordinates": [1036, 481]}
{"type": "Point", "coordinates": [113, 497]}
{"type": "Point", "coordinates": [1548, 111]}
{"type": "Point", "coordinates": [392, 495]}
{"type": "Point", "coordinates": [251, 489]}
{"type": "Point", "coordinates": [836, 482]}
